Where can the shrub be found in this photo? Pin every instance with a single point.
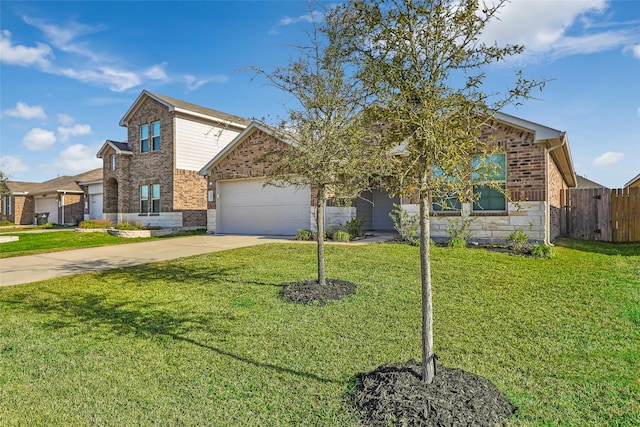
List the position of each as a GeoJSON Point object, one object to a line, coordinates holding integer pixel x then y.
{"type": "Point", "coordinates": [341, 236]}
{"type": "Point", "coordinates": [128, 226]}
{"type": "Point", "coordinates": [96, 223]}
{"type": "Point", "coordinates": [457, 242]}
{"type": "Point", "coordinates": [354, 227]}
{"type": "Point", "coordinates": [405, 224]}
{"type": "Point", "coordinates": [5, 221]}
{"type": "Point", "coordinates": [540, 250]}
{"type": "Point", "coordinates": [459, 229]}
{"type": "Point", "coordinates": [304, 235]}
{"type": "Point", "coordinates": [518, 240]}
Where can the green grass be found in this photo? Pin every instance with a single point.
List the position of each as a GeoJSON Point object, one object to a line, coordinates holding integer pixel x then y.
{"type": "Point", "coordinates": [205, 340]}
{"type": "Point", "coordinates": [36, 243]}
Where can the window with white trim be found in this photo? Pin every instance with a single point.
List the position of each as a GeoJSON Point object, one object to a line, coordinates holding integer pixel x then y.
{"type": "Point", "coordinates": [6, 205]}
{"type": "Point", "coordinates": [144, 138]}
{"type": "Point", "coordinates": [144, 199]}
{"type": "Point", "coordinates": [113, 162]}
{"type": "Point", "coordinates": [155, 136]}
{"type": "Point", "coordinates": [155, 198]}
{"type": "Point", "coordinates": [490, 177]}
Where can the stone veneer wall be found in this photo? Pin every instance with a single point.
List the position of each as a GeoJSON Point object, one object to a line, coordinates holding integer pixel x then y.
{"type": "Point", "coordinates": [335, 217]}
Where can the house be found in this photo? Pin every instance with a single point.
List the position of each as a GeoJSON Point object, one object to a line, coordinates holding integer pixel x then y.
{"type": "Point", "coordinates": [537, 166]}
{"type": "Point", "coordinates": [583, 182]}
{"type": "Point", "coordinates": [152, 177]}
{"type": "Point", "coordinates": [64, 200]}
{"type": "Point", "coordinates": [635, 182]}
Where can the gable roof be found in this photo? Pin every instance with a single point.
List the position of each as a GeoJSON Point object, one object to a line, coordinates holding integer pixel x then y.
{"type": "Point", "coordinates": [183, 107]}
{"type": "Point", "coordinates": [583, 182]}
{"type": "Point", "coordinates": [253, 127]}
{"type": "Point", "coordinates": [119, 147]}
{"type": "Point", "coordinates": [555, 141]}
{"type": "Point", "coordinates": [61, 184]}
{"type": "Point", "coordinates": [634, 181]}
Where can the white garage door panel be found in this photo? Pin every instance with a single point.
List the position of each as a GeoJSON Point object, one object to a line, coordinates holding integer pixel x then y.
{"type": "Point", "coordinates": [248, 207]}
{"type": "Point", "coordinates": [95, 209]}
{"type": "Point", "coordinates": [48, 205]}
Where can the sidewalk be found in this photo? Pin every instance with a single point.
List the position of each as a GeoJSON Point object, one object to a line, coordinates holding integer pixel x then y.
{"type": "Point", "coordinates": [33, 268]}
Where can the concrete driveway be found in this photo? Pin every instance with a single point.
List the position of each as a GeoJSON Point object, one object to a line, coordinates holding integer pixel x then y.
{"type": "Point", "coordinates": [33, 268]}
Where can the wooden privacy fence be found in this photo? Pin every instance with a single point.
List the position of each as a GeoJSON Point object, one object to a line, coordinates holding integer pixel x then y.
{"type": "Point", "coordinates": [601, 214]}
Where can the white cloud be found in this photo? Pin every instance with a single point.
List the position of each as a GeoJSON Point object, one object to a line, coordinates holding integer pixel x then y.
{"type": "Point", "coordinates": [75, 159]}
{"type": "Point", "coordinates": [23, 55]}
{"type": "Point", "coordinates": [38, 139]}
{"type": "Point", "coordinates": [635, 50]}
{"type": "Point", "coordinates": [11, 165]}
{"type": "Point", "coordinates": [76, 130]}
{"type": "Point", "coordinates": [314, 16]}
{"type": "Point", "coordinates": [157, 72]}
{"type": "Point", "coordinates": [194, 83]}
{"type": "Point", "coordinates": [114, 79]}
{"type": "Point", "coordinates": [66, 119]}
{"type": "Point", "coordinates": [609, 158]}
{"type": "Point", "coordinates": [24, 111]}
{"type": "Point", "coordinates": [560, 28]}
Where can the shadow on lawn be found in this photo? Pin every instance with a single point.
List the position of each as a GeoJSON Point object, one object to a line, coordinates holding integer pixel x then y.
{"type": "Point", "coordinates": [93, 313]}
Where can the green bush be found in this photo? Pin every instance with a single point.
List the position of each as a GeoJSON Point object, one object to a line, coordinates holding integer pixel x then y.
{"type": "Point", "coordinates": [354, 227]}
{"type": "Point", "coordinates": [341, 236]}
{"type": "Point", "coordinates": [540, 250]}
{"type": "Point", "coordinates": [96, 223]}
{"type": "Point", "coordinates": [304, 235]}
{"type": "Point", "coordinates": [457, 242]}
{"type": "Point", "coordinates": [518, 240]}
{"type": "Point", "coordinates": [405, 224]}
{"type": "Point", "coordinates": [459, 229]}
{"type": "Point", "coordinates": [5, 221]}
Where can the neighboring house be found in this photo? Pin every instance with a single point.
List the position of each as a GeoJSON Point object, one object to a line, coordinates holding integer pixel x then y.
{"type": "Point", "coordinates": [64, 200]}
{"type": "Point", "coordinates": [583, 182]}
{"type": "Point", "coordinates": [635, 182]}
{"type": "Point", "coordinates": [537, 166]}
{"type": "Point", "coordinates": [152, 178]}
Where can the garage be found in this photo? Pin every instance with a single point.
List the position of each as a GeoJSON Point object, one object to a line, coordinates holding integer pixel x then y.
{"type": "Point", "coordinates": [48, 204]}
{"type": "Point", "coordinates": [250, 207]}
{"type": "Point", "coordinates": [95, 206]}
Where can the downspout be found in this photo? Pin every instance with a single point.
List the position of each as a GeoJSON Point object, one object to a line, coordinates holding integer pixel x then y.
{"type": "Point", "coordinates": [547, 214]}
{"type": "Point", "coordinates": [62, 206]}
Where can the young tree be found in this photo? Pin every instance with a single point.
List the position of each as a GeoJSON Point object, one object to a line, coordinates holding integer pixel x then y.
{"type": "Point", "coordinates": [425, 60]}
{"type": "Point", "coordinates": [328, 153]}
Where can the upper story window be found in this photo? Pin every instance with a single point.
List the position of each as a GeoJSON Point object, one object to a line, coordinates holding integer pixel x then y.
{"type": "Point", "coordinates": [155, 136]}
{"type": "Point", "coordinates": [152, 143]}
{"type": "Point", "coordinates": [113, 162]}
{"type": "Point", "coordinates": [490, 177]}
{"type": "Point", "coordinates": [144, 138]}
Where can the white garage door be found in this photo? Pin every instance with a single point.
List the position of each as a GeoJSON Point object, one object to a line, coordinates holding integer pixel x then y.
{"type": "Point", "coordinates": [95, 207]}
{"type": "Point", "coordinates": [248, 207]}
{"type": "Point", "coordinates": [48, 205]}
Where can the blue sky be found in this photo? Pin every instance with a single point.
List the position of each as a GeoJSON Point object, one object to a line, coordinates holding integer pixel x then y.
{"type": "Point", "coordinates": [70, 70]}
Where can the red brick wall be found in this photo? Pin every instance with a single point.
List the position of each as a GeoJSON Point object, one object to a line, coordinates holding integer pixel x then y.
{"type": "Point", "coordinates": [22, 210]}
{"type": "Point", "coordinates": [73, 209]}
{"type": "Point", "coordinates": [245, 161]}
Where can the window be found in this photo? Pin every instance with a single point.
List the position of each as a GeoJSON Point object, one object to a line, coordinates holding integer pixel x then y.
{"type": "Point", "coordinates": [487, 170]}
{"type": "Point", "coordinates": [144, 138]}
{"type": "Point", "coordinates": [144, 199]}
{"type": "Point", "coordinates": [155, 136]}
{"type": "Point", "coordinates": [6, 205]}
{"type": "Point", "coordinates": [445, 202]}
{"type": "Point", "coordinates": [155, 198]}
{"type": "Point", "coordinates": [113, 162]}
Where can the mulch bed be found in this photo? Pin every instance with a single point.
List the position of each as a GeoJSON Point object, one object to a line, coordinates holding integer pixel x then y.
{"type": "Point", "coordinates": [394, 395]}
{"type": "Point", "coordinates": [311, 292]}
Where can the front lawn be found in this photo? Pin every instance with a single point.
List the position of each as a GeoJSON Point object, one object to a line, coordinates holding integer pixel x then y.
{"type": "Point", "coordinates": [31, 243]}
{"type": "Point", "coordinates": [205, 340]}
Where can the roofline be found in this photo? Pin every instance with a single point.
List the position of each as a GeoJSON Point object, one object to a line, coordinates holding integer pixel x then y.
{"type": "Point", "coordinates": [95, 181]}
{"type": "Point", "coordinates": [254, 125]}
{"type": "Point", "coordinates": [552, 139]}
{"type": "Point", "coordinates": [633, 180]}
{"type": "Point", "coordinates": [124, 121]}
{"type": "Point", "coordinates": [111, 144]}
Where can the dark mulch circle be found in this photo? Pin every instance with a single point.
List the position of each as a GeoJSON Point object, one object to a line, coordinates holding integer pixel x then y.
{"type": "Point", "coordinates": [395, 395]}
{"type": "Point", "coordinates": [311, 292]}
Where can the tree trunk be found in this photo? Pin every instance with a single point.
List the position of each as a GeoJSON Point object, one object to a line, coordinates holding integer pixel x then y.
{"type": "Point", "coordinates": [428, 369]}
{"type": "Point", "coordinates": [321, 201]}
